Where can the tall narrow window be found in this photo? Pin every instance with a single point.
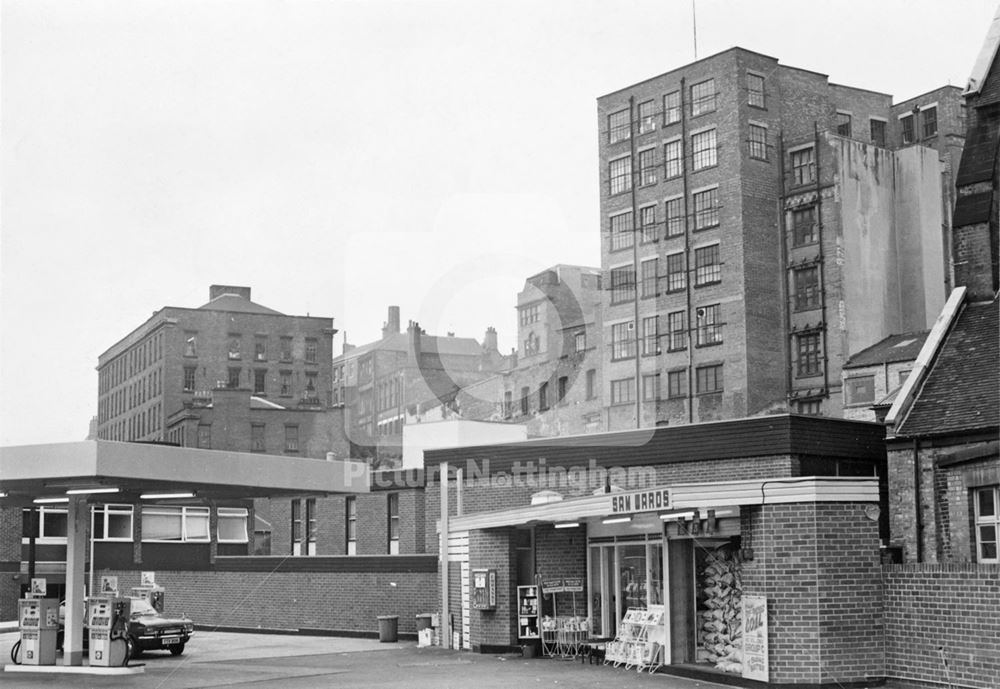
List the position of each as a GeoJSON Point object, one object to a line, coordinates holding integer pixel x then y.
{"type": "Point", "coordinates": [709, 325]}
{"type": "Point", "coordinates": [647, 116]}
{"type": "Point", "coordinates": [649, 277]}
{"type": "Point", "coordinates": [563, 389]}
{"type": "Point", "coordinates": [619, 126]}
{"type": "Point", "coordinates": [543, 396]}
{"type": "Point", "coordinates": [508, 404]}
{"type": "Point", "coordinates": [672, 159]}
{"type": "Point", "coordinates": [676, 272]}
{"type": "Point", "coordinates": [591, 383]}
{"type": "Point", "coordinates": [755, 90]}
{"type": "Point", "coordinates": [672, 107]}
{"type": "Point", "coordinates": [352, 525]}
{"type": "Point", "coordinates": [286, 383]}
{"type": "Point", "coordinates": [190, 343]}
{"type": "Point", "coordinates": [291, 438]}
{"type": "Point", "coordinates": [260, 382]}
{"type": "Point", "coordinates": [310, 350]}
{"type": "Point", "coordinates": [676, 331]}
{"type": "Point", "coordinates": [234, 346]}
{"type": "Point", "coordinates": [878, 132]}
{"type": "Point", "coordinates": [621, 231]}
{"type": "Point", "coordinates": [257, 438]}
{"type": "Point", "coordinates": [987, 517]}
{"type": "Point", "coordinates": [620, 175]}
{"type": "Point", "coordinates": [706, 208]}
{"type": "Point", "coordinates": [622, 284]}
{"type": "Point", "coordinates": [674, 217]}
{"type": "Point", "coordinates": [286, 348]}
{"type": "Point", "coordinates": [296, 527]}
{"type": "Point", "coordinates": [647, 167]}
{"type": "Point", "coordinates": [757, 142]}
{"type": "Point", "coordinates": [703, 150]}
{"type": "Point", "coordinates": [260, 348]}
{"type": "Point", "coordinates": [807, 288]}
{"type": "Point", "coordinates": [647, 221]}
{"type": "Point", "coordinates": [622, 340]}
{"type": "Point", "coordinates": [808, 354]}
{"type": "Point", "coordinates": [907, 124]}
{"type": "Point", "coordinates": [234, 378]}
{"type": "Point", "coordinates": [803, 166]}
{"type": "Point", "coordinates": [392, 501]}
{"type": "Point", "coordinates": [703, 97]}
{"type": "Point", "coordinates": [524, 401]}
{"type": "Point", "coordinates": [804, 229]}
{"type": "Point", "coordinates": [650, 336]}
{"type": "Point", "coordinates": [189, 372]}
{"type": "Point", "coordinates": [707, 266]}
{"type": "Point", "coordinates": [311, 526]}
{"type": "Point", "coordinates": [929, 118]}
{"type": "Point", "coordinates": [844, 123]}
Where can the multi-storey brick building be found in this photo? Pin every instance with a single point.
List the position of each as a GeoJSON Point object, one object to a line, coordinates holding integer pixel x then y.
{"type": "Point", "coordinates": [760, 224]}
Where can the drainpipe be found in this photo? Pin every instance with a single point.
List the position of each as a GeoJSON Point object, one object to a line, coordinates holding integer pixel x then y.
{"type": "Point", "coordinates": [687, 255]}
{"type": "Point", "coordinates": [633, 134]}
{"type": "Point", "coordinates": [786, 316]}
{"type": "Point", "coordinates": [919, 512]}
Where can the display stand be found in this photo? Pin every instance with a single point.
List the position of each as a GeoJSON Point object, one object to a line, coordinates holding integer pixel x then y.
{"type": "Point", "coordinates": [563, 636]}
{"type": "Point", "coordinates": [527, 612]}
{"type": "Point", "coordinates": [639, 642]}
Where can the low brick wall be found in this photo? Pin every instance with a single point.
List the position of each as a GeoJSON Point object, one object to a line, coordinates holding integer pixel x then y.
{"type": "Point", "coordinates": [942, 613]}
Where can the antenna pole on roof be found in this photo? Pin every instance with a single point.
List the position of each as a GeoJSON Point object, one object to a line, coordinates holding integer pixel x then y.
{"type": "Point", "coordinates": [694, 28]}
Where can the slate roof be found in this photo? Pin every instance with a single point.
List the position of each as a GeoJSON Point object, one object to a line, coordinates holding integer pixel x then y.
{"type": "Point", "coordinates": [399, 342]}
{"type": "Point", "coordinates": [961, 392]}
{"type": "Point", "coordinates": [979, 153]}
{"type": "Point", "coordinates": [234, 302]}
{"type": "Point", "coordinates": [903, 347]}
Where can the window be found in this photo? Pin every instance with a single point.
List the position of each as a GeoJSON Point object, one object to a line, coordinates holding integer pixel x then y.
{"type": "Point", "coordinates": [651, 387]}
{"type": "Point", "coordinates": [529, 314]}
{"type": "Point", "coordinates": [647, 221]}
{"type": "Point", "coordinates": [843, 123]}
{"type": "Point", "coordinates": [650, 335]}
{"type": "Point", "coordinates": [310, 350]}
{"type": "Point", "coordinates": [112, 522]}
{"type": "Point", "coordinates": [676, 272]}
{"type": "Point", "coordinates": [543, 396]}
{"type": "Point", "coordinates": [259, 382]}
{"type": "Point", "coordinates": [702, 97]}
{"type": "Point", "coordinates": [190, 343]}
{"type": "Point", "coordinates": [260, 349]}
{"type": "Point", "coordinates": [508, 404]}
{"type": "Point", "coordinates": [647, 116]}
{"type": "Point", "coordinates": [810, 407]}
{"type": "Point", "coordinates": [531, 344]}
{"type": "Point", "coordinates": [205, 436]}
{"type": "Point", "coordinates": [622, 342]}
{"type": "Point", "coordinates": [861, 390]}
{"type": "Point", "coordinates": [174, 523]}
{"type": "Point", "coordinates": [708, 325]}
{"type": "Point", "coordinates": [621, 231]}
{"type": "Point", "coordinates": [352, 525]}
{"type": "Point", "coordinates": [563, 388]}
{"type": "Point", "coordinates": [623, 391]}
{"type": "Point", "coordinates": [649, 277]}
{"type": "Point", "coordinates": [232, 526]}
{"type": "Point", "coordinates": [524, 400]}
{"type": "Point", "coordinates": [392, 507]}
{"type": "Point", "coordinates": [804, 229]}
{"type": "Point", "coordinates": [189, 372]}
{"type": "Point", "coordinates": [808, 359]}
{"type": "Point", "coordinates": [257, 443]}
{"type": "Point", "coordinates": [676, 331]}
{"type": "Point", "coordinates": [806, 288]}
{"type": "Point", "coordinates": [647, 167]}
{"type": "Point", "coordinates": [929, 118]}
{"type": "Point", "coordinates": [311, 378]}
{"type": "Point", "coordinates": [52, 523]}
{"type": "Point", "coordinates": [987, 517]}
{"type": "Point", "coordinates": [675, 217]}
{"type": "Point", "coordinates": [707, 268]}
{"type": "Point", "coordinates": [296, 527]}
{"type": "Point", "coordinates": [672, 107]}
{"type": "Point", "coordinates": [619, 126]}
{"type": "Point", "coordinates": [286, 382]}
{"type": "Point", "coordinates": [706, 208]}
{"type": "Point", "coordinates": [708, 378]}
{"type": "Point", "coordinates": [234, 378]}
{"type": "Point", "coordinates": [755, 90]}
{"type": "Point", "coordinates": [580, 341]}
{"type": "Point", "coordinates": [622, 284]}
{"type": "Point", "coordinates": [591, 383]}
{"type": "Point", "coordinates": [234, 346]}
{"type": "Point", "coordinates": [803, 166]}
{"type": "Point", "coordinates": [878, 131]}
{"type": "Point", "coordinates": [620, 175]}
{"type": "Point", "coordinates": [907, 123]}
{"type": "Point", "coordinates": [903, 375]}
{"type": "Point", "coordinates": [291, 438]}
{"type": "Point", "coordinates": [703, 150]}
{"type": "Point", "coordinates": [676, 384]}
{"type": "Point", "coordinates": [286, 348]}
{"type": "Point", "coordinates": [758, 142]}
{"type": "Point", "coordinates": [672, 158]}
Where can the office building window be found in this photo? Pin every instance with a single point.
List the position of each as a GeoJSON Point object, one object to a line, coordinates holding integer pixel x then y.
{"type": "Point", "coordinates": [621, 231]}
{"type": "Point", "coordinates": [622, 284]}
{"type": "Point", "coordinates": [929, 118]}
{"type": "Point", "coordinates": [676, 272]}
{"type": "Point", "coordinates": [649, 277]}
{"type": "Point", "coordinates": [907, 125]}
{"type": "Point", "coordinates": [676, 384]}
{"type": "Point", "coordinates": [651, 387]}
{"type": "Point", "coordinates": [351, 509]}
{"type": "Point", "coordinates": [257, 443]}
{"type": "Point", "coordinates": [807, 288]}
{"type": "Point", "coordinates": [622, 341]}
{"type": "Point", "coordinates": [232, 525]}
{"type": "Point", "coordinates": [861, 390]}
{"type": "Point", "coordinates": [703, 150]}
{"type": "Point", "coordinates": [755, 90]}
{"type": "Point", "coordinates": [260, 349]}
{"type": "Point", "coordinates": [708, 379]}
{"type": "Point", "coordinates": [310, 350]}
{"type": "Point", "coordinates": [392, 507]}
{"type": "Point", "coordinates": [702, 97]}
{"type": "Point", "coordinates": [843, 121]}
{"type": "Point", "coordinates": [647, 167]}
{"type": "Point", "coordinates": [260, 382]}
{"type": "Point", "coordinates": [291, 438]}
{"type": "Point", "coordinates": [205, 436]}
{"type": "Point", "coordinates": [803, 166]}
{"type": "Point", "coordinates": [672, 159]}
{"type": "Point", "coordinates": [524, 400]}
{"type": "Point", "coordinates": [987, 517]}
{"type": "Point", "coordinates": [706, 208]}
{"type": "Point", "coordinates": [175, 524]}
{"type": "Point", "coordinates": [809, 407]}
{"type": "Point", "coordinates": [286, 348]}
{"type": "Point", "coordinates": [672, 107]}
{"type": "Point", "coordinates": [543, 396]}
{"type": "Point", "coordinates": [529, 314]}
{"type": "Point", "coordinates": [650, 336]}
{"type": "Point", "coordinates": [647, 116]}
{"type": "Point", "coordinates": [234, 346]}
{"type": "Point", "coordinates": [580, 341]}
{"type": "Point", "coordinates": [112, 522]}
{"type": "Point", "coordinates": [190, 343]}
{"type": "Point", "coordinates": [807, 355]}
{"type": "Point", "coordinates": [591, 383]}
{"type": "Point", "coordinates": [189, 372]}
{"type": "Point", "coordinates": [619, 126]}
{"type": "Point", "coordinates": [623, 391]}
{"type": "Point", "coordinates": [708, 328]}
{"type": "Point", "coordinates": [707, 267]}
{"type": "Point", "coordinates": [804, 229]}
{"type": "Point", "coordinates": [674, 217]}
{"type": "Point", "coordinates": [877, 131]}
{"type": "Point", "coordinates": [758, 142]}
{"type": "Point", "coordinates": [647, 221]}
{"type": "Point", "coordinates": [620, 175]}
{"type": "Point", "coordinates": [676, 331]}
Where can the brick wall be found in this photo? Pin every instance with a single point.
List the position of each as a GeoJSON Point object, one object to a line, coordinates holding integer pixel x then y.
{"type": "Point", "coordinates": [10, 561]}
{"type": "Point", "coordinates": [494, 549]}
{"type": "Point", "coordinates": [563, 553]}
{"type": "Point", "coordinates": [937, 614]}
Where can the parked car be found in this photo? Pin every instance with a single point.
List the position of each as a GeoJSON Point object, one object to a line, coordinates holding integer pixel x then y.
{"type": "Point", "coordinates": [148, 630]}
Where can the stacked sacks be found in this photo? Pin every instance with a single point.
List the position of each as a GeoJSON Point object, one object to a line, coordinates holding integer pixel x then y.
{"type": "Point", "coordinates": [720, 637]}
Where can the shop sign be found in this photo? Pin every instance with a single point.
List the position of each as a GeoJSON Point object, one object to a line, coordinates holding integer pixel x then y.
{"type": "Point", "coordinates": [755, 638]}
{"type": "Point", "coordinates": [573, 585]}
{"type": "Point", "coordinates": [553, 586]}
{"type": "Point", "coordinates": [640, 501]}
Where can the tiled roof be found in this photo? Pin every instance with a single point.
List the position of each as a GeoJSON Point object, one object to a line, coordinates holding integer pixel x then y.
{"type": "Point", "coordinates": [904, 347]}
{"type": "Point", "coordinates": [962, 390]}
{"type": "Point", "coordinates": [972, 209]}
{"type": "Point", "coordinates": [234, 302]}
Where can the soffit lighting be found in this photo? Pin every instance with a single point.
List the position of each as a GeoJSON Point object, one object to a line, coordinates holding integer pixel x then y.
{"type": "Point", "coordinates": [88, 491]}
{"type": "Point", "coordinates": [668, 516]}
{"type": "Point", "coordinates": [567, 525]}
{"type": "Point", "coordinates": [165, 496]}
{"type": "Point", "coordinates": [47, 501]}
{"type": "Point", "coordinates": [617, 520]}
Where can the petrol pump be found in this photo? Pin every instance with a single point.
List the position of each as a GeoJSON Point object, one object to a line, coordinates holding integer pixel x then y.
{"type": "Point", "coordinates": [108, 621]}
{"type": "Point", "coordinates": [152, 594]}
{"type": "Point", "coordinates": [39, 623]}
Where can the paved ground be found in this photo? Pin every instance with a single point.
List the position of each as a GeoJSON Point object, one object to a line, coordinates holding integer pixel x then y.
{"type": "Point", "coordinates": [262, 661]}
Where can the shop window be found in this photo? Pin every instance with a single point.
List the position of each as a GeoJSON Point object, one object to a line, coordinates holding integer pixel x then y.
{"type": "Point", "coordinates": [170, 524]}
{"type": "Point", "coordinates": [232, 525]}
{"type": "Point", "coordinates": [352, 525]}
{"type": "Point", "coordinates": [392, 501]}
{"type": "Point", "coordinates": [987, 516]}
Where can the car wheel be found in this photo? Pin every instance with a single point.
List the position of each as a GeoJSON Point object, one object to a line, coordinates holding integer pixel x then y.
{"type": "Point", "coordinates": [177, 649]}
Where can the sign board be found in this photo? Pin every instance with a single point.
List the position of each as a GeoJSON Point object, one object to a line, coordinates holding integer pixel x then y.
{"type": "Point", "coordinates": [109, 584]}
{"type": "Point", "coordinates": [640, 501]}
{"type": "Point", "coordinates": [755, 664]}
{"type": "Point", "coordinates": [38, 587]}
{"type": "Point", "coordinates": [148, 579]}
{"type": "Point", "coordinates": [573, 585]}
{"type": "Point", "coordinates": [484, 589]}
{"type": "Point", "coordinates": [553, 586]}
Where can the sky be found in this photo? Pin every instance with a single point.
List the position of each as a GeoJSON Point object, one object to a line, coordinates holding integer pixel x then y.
{"type": "Point", "coordinates": [343, 156]}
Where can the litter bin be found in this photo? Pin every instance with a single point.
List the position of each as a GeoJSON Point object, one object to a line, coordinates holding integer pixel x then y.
{"type": "Point", "coordinates": [424, 621]}
{"type": "Point", "coordinates": [388, 627]}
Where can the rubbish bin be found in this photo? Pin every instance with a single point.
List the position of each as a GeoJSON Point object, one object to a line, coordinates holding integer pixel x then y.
{"type": "Point", "coordinates": [424, 621]}
{"type": "Point", "coordinates": [388, 627]}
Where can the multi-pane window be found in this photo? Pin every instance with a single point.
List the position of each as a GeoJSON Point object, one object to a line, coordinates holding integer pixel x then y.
{"type": "Point", "coordinates": [563, 388]}
{"type": "Point", "coordinates": [189, 372]}
{"type": "Point", "coordinates": [708, 330]}
{"type": "Point", "coordinates": [234, 346]}
{"type": "Point", "coordinates": [674, 217]}
{"type": "Point", "coordinates": [676, 272]}
{"type": "Point", "coordinates": [621, 231]}
{"type": "Point", "coordinates": [580, 341]}
{"type": "Point", "coordinates": [860, 389]}
{"type": "Point", "coordinates": [312, 530]}
{"type": "Point", "coordinates": [259, 382]}
{"type": "Point", "coordinates": [620, 174]}
{"type": "Point", "coordinates": [530, 314]}
{"type": "Point", "coordinates": [257, 438]}
{"type": "Point", "coordinates": [508, 404]}
{"type": "Point", "coordinates": [232, 525]}
{"type": "Point", "coordinates": [392, 507]}
{"type": "Point", "coordinates": [647, 116]}
{"type": "Point", "coordinates": [929, 118]}
{"type": "Point", "coordinates": [843, 123]}
{"type": "Point", "coordinates": [708, 378]}
{"type": "Point", "coordinates": [803, 166]}
{"type": "Point", "coordinates": [647, 167]}
{"type": "Point", "coordinates": [52, 523]}
{"type": "Point", "coordinates": [755, 90]}
{"type": "Point", "coordinates": [650, 335]}
{"type": "Point", "coordinates": [622, 284]}
{"type": "Point", "coordinates": [676, 331]}
{"type": "Point", "coordinates": [175, 524]}
{"type": "Point", "coordinates": [649, 277]}
{"type": "Point", "coordinates": [672, 107]}
{"type": "Point", "coordinates": [647, 221]}
{"type": "Point", "coordinates": [673, 163]}
{"type": "Point", "coordinates": [809, 407]}
{"type": "Point", "coordinates": [591, 383]}
{"type": "Point", "coordinates": [622, 340]}
{"type": "Point", "coordinates": [205, 436]}
{"type": "Point", "coordinates": [806, 288]}
{"type": "Point", "coordinates": [703, 150]}
{"type": "Point", "coordinates": [877, 131]}
{"type": "Point", "coordinates": [987, 518]}
{"type": "Point", "coordinates": [676, 384]}
{"type": "Point", "coordinates": [112, 522]}
{"type": "Point", "coordinates": [808, 354]}
{"type": "Point", "coordinates": [310, 350]}
{"type": "Point", "coordinates": [757, 142]}
{"type": "Point", "coordinates": [804, 230]}
{"type": "Point", "coordinates": [623, 391]}
{"type": "Point", "coordinates": [525, 403]}
{"type": "Point", "coordinates": [706, 208]}
{"type": "Point", "coordinates": [286, 348]}
{"type": "Point", "coordinates": [351, 511]}
{"type": "Point", "coordinates": [296, 527]}
{"type": "Point", "coordinates": [286, 382]}
{"type": "Point", "coordinates": [532, 344]}
{"type": "Point", "coordinates": [707, 267]}
{"type": "Point", "coordinates": [907, 124]}
{"type": "Point", "coordinates": [190, 343]}
{"type": "Point", "coordinates": [311, 378]}
{"type": "Point", "coordinates": [291, 438]}
{"type": "Point", "coordinates": [543, 396]}
{"type": "Point", "coordinates": [702, 97]}
{"type": "Point", "coordinates": [260, 349]}
{"type": "Point", "coordinates": [619, 126]}
{"type": "Point", "coordinates": [651, 387]}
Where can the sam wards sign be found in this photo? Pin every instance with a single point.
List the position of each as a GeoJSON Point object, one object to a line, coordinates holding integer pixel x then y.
{"type": "Point", "coordinates": [640, 501]}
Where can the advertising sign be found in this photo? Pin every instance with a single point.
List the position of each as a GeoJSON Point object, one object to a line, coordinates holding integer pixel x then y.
{"type": "Point", "coordinates": [573, 585]}
{"type": "Point", "coordinates": [755, 638]}
{"type": "Point", "coordinates": [148, 579]}
{"type": "Point", "coordinates": [640, 501]}
{"type": "Point", "coordinates": [109, 585]}
{"type": "Point", "coordinates": [553, 586]}
{"type": "Point", "coordinates": [484, 589]}
{"type": "Point", "coordinates": [38, 587]}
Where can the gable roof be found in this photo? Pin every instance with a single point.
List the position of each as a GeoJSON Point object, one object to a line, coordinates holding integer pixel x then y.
{"type": "Point", "coordinates": [234, 302]}
{"type": "Point", "coordinates": [902, 347]}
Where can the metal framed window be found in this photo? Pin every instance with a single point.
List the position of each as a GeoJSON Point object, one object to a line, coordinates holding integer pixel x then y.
{"type": "Point", "coordinates": [673, 161]}
{"type": "Point", "coordinates": [623, 391]}
{"type": "Point", "coordinates": [622, 340]}
{"type": "Point", "coordinates": [647, 221]}
{"type": "Point", "coordinates": [708, 378]}
{"type": "Point", "coordinates": [706, 208]}
{"type": "Point", "coordinates": [674, 217]}
{"type": "Point", "coordinates": [650, 277]}
{"type": "Point", "coordinates": [708, 330]}
{"type": "Point", "coordinates": [804, 228]}
{"type": "Point", "coordinates": [672, 107]}
{"type": "Point", "coordinates": [622, 284]}
{"type": "Point", "coordinates": [647, 116]}
{"type": "Point", "coordinates": [647, 167]}
{"type": "Point", "coordinates": [650, 336]}
{"type": "Point", "coordinates": [173, 524]}
{"type": "Point", "coordinates": [807, 293]}
{"type": "Point", "coordinates": [843, 123]}
{"type": "Point", "coordinates": [877, 131]}
{"type": "Point", "coordinates": [757, 142]}
{"type": "Point", "coordinates": [803, 166]}
{"type": "Point", "coordinates": [908, 134]}
{"type": "Point", "coordinates": [703, 150]}
{"type": "Point", "coordinates": [111, 522]}
{"type": "Point", "coordinates": [620, 175]}
{"type": "Point", "coordinates": [707, 267]}
{"type": "Point", "coordinates": [651, 387]}
{"type": "Point", "coordinates": [677, 384]}
{"type": "Point", "coordinates": [621, 231]}
{"type": "Point", "coordinates": [232, 525]}
{"type": "Point", "coordinates": [676, 272]}
{"type": "Point", "coordinates": [755, 90]}
{"type": "Point", "coordinates": [676, 331]}
{"type": "Point", "coordinates": [987, 517]}
{"type": "Point", "coordinates": [392, 507]}
{"type": "Point", "coordinates": [702, 97]}
{"type": "Point", "coordinates": [351, 511]}
{"type": "Point", "coordinates": [619, 126]}
{"type": "Point", "coordinates": [928, 117]}
{"type": "Point", "coordinates": [808, 358]}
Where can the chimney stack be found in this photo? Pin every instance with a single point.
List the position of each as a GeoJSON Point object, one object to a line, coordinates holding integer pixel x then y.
{"type": "Point", "coordinates": [490, 340]}
{"type": "Point", "coordinates": [391, 326]}
{"type": "Point", "coordinates": [216, 291]}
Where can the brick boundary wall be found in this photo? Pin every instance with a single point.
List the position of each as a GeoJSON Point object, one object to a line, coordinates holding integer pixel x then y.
{"type": "Point", "coordinates": [952, 610]}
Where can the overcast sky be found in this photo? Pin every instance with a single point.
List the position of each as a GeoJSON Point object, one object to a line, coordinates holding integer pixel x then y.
{"type": "Point", "coordinates": [341, 156]}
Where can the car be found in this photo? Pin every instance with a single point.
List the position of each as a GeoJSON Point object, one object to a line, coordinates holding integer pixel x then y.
{"type": "Point", "coordinates": [148, 629]}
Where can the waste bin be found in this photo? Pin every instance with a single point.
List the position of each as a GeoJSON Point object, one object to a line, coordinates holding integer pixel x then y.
{"type": "Point", "coordinates": [424, 621]}
{"type": "Point", "coordinates": [388, 627]}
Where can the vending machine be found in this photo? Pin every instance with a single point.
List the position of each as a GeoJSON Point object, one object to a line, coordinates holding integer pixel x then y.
{"type": "Point", "coordinates": [152, 594]}
{"type": "Point", "coordinates": [39, 623]}
{"type": "Point", "coordinates": [107, 618]}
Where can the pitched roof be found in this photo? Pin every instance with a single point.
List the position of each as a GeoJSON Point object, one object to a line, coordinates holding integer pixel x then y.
{"type": "Point", "coordinates": [429, 344]}
{"type": "Point", "coordinates": [903, 347]}
{"type": "Point", "coordinates": [234, 302]}
{"type": "Point", "coordinates": [961, 392]}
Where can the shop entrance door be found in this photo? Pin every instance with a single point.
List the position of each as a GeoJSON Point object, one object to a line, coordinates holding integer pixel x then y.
{"type": "Point", "coordinates": [622, 576]}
